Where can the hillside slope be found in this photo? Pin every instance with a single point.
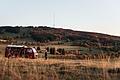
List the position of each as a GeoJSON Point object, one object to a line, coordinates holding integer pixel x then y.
{"type": "Point", "coordinates": [47, 34]}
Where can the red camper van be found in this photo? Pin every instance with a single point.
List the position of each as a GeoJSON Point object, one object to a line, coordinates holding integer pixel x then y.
{"type": "Point", "coordinates": [15, 51]}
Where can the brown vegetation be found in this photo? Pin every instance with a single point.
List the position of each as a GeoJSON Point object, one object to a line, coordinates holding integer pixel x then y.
{"type": "Point", "coordinates": [52, 69]}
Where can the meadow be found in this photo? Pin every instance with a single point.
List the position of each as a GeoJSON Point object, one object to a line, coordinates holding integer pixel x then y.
{"type": "Point", "coordinates": [58, 69]}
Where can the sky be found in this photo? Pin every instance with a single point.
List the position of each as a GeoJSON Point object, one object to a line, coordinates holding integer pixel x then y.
{"type": "Point", "coordinates": [101, 16]}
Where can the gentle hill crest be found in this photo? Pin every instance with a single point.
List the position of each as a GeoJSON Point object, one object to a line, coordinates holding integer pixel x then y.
{"type": "Point", "coordinates": [47, 34]}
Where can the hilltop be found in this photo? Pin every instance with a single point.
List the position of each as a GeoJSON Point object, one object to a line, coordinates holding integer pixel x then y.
{"type": "Point", "coordinates": [44, 34]}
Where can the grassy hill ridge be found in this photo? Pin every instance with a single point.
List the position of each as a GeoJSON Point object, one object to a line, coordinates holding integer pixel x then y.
{"type": "Point", "coordinates": [47, 34]}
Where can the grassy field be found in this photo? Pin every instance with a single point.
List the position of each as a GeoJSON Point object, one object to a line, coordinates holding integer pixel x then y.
{"type": "Point", "coordinates": [58, 69]}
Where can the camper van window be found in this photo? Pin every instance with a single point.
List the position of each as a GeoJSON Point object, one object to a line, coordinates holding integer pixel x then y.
{"type": "Point", "coordinates": [29, 50]}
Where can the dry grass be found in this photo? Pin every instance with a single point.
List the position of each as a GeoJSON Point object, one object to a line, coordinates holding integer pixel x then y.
{"type": "Point", "coordinates": [58, 69]}
{"type": "Point", "coordinates": [2, 49]}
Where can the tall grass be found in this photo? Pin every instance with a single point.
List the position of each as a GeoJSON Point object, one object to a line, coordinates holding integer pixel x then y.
{"type": "Point", "coordinates": [61, 69]}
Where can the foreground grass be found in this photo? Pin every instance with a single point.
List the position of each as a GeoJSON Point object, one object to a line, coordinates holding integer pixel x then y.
{"type": "Point", "coordinates": [58, 69]}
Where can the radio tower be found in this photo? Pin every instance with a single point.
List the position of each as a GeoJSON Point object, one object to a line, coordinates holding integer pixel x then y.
{"type": "Point", "coordinates": [53, 19]}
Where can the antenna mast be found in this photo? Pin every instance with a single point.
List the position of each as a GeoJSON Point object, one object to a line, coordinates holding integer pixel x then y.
{"type": "Point", "coordinates": [53, 19]}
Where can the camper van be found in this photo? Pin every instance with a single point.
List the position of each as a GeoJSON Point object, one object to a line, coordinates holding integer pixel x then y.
{"type": "Point", "coordinates": [15, 51]}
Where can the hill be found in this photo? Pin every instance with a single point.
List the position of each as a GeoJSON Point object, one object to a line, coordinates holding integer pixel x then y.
{"type": "Point", "coordinates": [47, 34]}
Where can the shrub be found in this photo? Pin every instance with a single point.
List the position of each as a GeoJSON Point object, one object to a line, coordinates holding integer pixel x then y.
{"type": "Point", "coordinates": [52, 50]}
{"type": "Point", "coordinates": [62, 51]}
{"type": "Point", "coordinates": [38, 48]}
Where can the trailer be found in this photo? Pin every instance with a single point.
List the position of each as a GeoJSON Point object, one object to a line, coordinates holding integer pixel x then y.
{"type": "Point", "coordinates": [16, 51]}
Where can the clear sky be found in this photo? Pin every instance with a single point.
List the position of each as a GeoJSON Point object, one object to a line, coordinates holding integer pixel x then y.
{"type": "Point", "coordinates": [84, 15]}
